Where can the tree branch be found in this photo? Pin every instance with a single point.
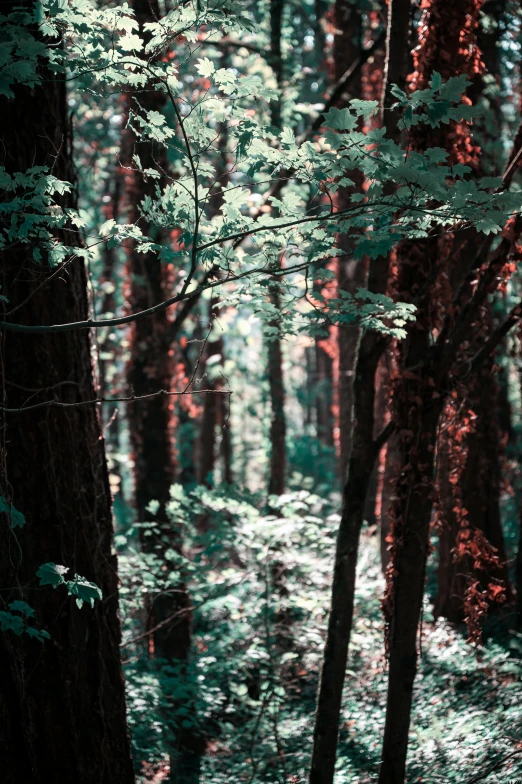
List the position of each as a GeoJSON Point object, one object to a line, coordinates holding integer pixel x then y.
{"type": "Point", "coordinates": [342, 85]}
{"type": "Point", "coordinates": [496, 765]}
{"type": "Point", "coordinates": [496, 338]}
{"type": "Point", "coordinates": [128, 399]}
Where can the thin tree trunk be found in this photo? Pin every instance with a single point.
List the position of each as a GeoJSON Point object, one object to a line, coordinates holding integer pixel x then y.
{"type": "Point", "coordinates": [62, 707]}
{"type": "Point", "coordinates": [216, 408]}
{"type": "Point", "coordinates": [340, 619]}
{"type": "Point", "coordinates": [150, 369]}
{"type": "Point", "coordinates": [323, 394]}
{"type": "Point", "coordinates": [395, 67]}
{"type": "Point", "coordinates": [351, 273]}
{"type": "Point", "coordinates": [362, 460]}
{"type": "Point", "coordinates": [277, 468]}
{"type": "Point", "coordinates": [518, 578]}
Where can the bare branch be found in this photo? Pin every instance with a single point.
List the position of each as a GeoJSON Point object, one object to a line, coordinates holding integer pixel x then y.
{"type": "Point", "coordinates": [128, 399]}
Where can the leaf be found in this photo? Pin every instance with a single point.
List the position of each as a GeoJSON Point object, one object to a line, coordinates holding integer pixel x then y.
{"type": "Point", "coordinates": [10, 622]}
{"type": "Point", "coordinates": [17, 518]}
{"type": "Point", "coordinates": [288, 136]}
{"type": "Point", "coordinates": [205, 67]}
{"type": "Point", "coordinates": [364, 108]}
{"type": "Point", "coordinates": [436, 81]}
{"type": "Point", "coordinates": [22, 607]}
{"type": "Point", "coordinates": [340, 119]}
{"type": "Point", "coordinates": [37, 634]}
{"type": "Point", "coordinates": [107, 227]}
{"type": "Point", "coordinates": [51, 574]}
{"type": "Point", "coordinates": [83, 590]}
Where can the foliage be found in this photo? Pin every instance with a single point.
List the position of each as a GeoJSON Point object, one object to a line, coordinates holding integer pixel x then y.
{"type": "Point", "coordinates": [237, 209]}
{"type": "Point", "coordinates": [85, 591]}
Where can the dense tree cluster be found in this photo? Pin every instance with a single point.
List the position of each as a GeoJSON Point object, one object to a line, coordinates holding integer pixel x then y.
{"type": "Point", "coordinates": [260, 372]}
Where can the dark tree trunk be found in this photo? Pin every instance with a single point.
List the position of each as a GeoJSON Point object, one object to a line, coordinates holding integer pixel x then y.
{"type": "Point", "coordinates": [340, 619]}
{"type": "Point", "coordinates": [475, 488]}
{"type": "Point", "coordinates": [397, 55]}
{"type": "Point", "coordinates": [471, 445]}
{"type": "Point", "coordinates": [418, 398]}
{"type": "Point", "coordinates": [361, 464]}
{"type": "Point", "coordinates": [323, 384]}
{"type": "Point", "coordinates": [362, 460]}
{"type": "Point", "coordinates": [351, 273]}
{"type": "Point", "coordinates": [150, 369]}
{"type": "Point", "coordinates": [277, 468]}
{"type": "Point", "coordinates": [62, 707]}
{"type": "Point", "coordinates": [518, 579]}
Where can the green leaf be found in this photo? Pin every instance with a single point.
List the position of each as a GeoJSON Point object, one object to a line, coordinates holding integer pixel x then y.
{"type": "Point", "coordinates": [51, 574]}
{"type": "Point", "coordinates": [83, 590]}
{"type": "Point", "coordinates": [23, 608]}
{"type": "Point", "coordinates": [38, 634]}
{"type": "Point", "coordinates": [340, 119]}
{"type": "Point", "coordinates": [10, 622]}
{"type": "Point", "coordinates": [288, 136]}
{"type": "Point", "coordinates": [17, 518]}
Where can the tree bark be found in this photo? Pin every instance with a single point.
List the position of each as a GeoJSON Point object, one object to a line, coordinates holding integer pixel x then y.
{"type": "Point", "coordinates": [351, 273]}
{"type": "Point", "coordinates": [447, 34]}
{"type": "Point", "coordinates": [277, 468]}
{"type": "Point", "coordinates": [150, 369]}
{"type": "Point", "coordinates": [397, 55]}
{"type": "Point", "coordinates": [62, 706]}
{"type": "Point", "coordinates": [362, 460]}
{"type": "Point", "coordinates": [472, 489]}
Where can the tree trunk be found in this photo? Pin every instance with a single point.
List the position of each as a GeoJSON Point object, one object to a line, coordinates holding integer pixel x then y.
{"type": "Point", "coordinates": [62, 701]}
{"type": "Point", "coordinates": [277, 469]}
{"type": "Point", "coordinates": [469, 487]}
{"type": "Point", "coordinates": [150, 369]}
{"type": "Point", "coordinates": [396, 64]}
{"type": "Point", "coordinates": [351, 273]}
{"type": "Point", "coordinates": [340, 619]}
{"type": "Point", "coordinates": [447, 33]}
{"type": "Point", "coordinates": [362, 460]}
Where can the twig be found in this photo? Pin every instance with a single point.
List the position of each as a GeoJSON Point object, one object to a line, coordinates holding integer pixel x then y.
{"type": "Point", "coordinates": [496, 765]}
{"type": "Point", "coordinates": [496, 338]}
{"type": "Point", "coordinates": [128, 399]}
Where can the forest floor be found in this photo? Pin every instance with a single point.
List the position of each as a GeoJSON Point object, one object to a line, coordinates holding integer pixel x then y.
{"type": "Point", "coordinates": [467, 704]}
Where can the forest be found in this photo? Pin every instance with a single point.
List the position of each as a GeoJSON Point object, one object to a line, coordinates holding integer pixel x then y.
{"type": "Point", "coordinates": [261, 391]}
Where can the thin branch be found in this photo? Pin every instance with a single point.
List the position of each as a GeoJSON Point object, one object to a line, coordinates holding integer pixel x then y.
{"type": "Point", "coordinates": [182, 296]}
{"type": "Point", "coordinates": [496, 338]}
{"type": "Point", "coordinates": [383, 436]}
{"type": "Point", "coordinates": [128, 399]}
{"type": "Point", "coordinates": [496, 765]}
{"type": "Point", "coordinates": [342, 85]}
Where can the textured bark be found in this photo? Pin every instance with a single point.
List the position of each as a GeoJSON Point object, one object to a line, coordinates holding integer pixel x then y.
{"type": "Point", "coordinates": [474, 486]}
{"type": "Point", "coordinates": [62, 708]}
{"type": "Point", "coordinates": [216, 408]}
{"type": "Point", "coordinates": [351, 273]}
{"type": "Point", "coordinates": [447, 46]}
{"type": "Point", "coordinates": [479, 485]}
